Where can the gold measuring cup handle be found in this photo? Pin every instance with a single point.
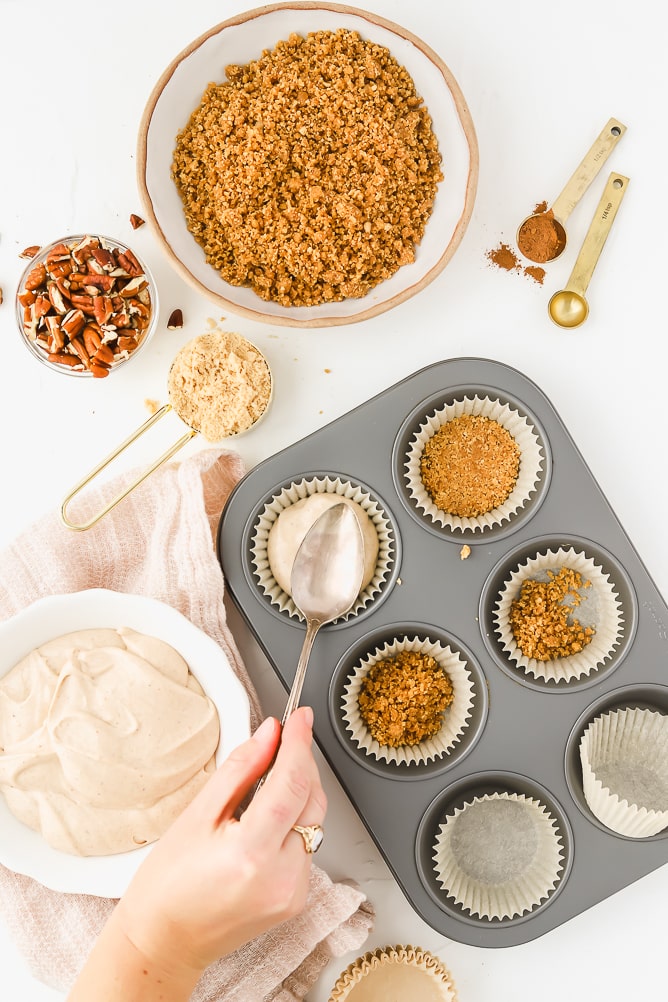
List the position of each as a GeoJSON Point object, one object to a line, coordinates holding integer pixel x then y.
{"type": "Point", "coordinates": [597, 233]}
{"type": "Point", "coordinates": [588, 168]}
{"type": "Point", "coordinates": [135, 483]}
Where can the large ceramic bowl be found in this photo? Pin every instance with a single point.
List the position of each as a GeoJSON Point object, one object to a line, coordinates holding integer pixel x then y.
{"type": "Point", "coordinates": [242, 39]}
{"type": "Point", "coordinates": [24, 850]}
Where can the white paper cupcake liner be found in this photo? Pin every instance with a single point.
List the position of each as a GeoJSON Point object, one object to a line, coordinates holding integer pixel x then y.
{"type": "Point", "coordinates": [395, 972]}
{"type": "Point", "coordinates": [499, 856]}
{"type": "Point", "coordinates": [296, 492]}
{"type": "Point", "coordinates": [600, 608]}
{"type": "Point", "coordinates": [455, 719]}
{"type": "Point", "coordinates": [530, 468]}
{"type": "Point", "coordinates": [624, 756]}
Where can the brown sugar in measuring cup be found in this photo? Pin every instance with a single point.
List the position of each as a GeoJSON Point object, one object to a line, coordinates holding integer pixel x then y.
{"type": "Point", "coordinates": [541, 237]}
{"type": "Point", "coordinates": [219, 384]}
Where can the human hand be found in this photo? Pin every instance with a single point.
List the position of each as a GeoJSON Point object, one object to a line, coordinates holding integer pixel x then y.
{"type": "Point", "coordinates": [213, 881]}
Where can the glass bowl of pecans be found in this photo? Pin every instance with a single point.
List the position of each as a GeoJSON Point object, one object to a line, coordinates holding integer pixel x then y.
{"type": "Point", "coordinates": [85, 304]}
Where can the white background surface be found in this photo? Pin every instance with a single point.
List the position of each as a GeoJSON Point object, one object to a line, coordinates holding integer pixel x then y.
{"type": "Point", "coordinates": [541, 81]}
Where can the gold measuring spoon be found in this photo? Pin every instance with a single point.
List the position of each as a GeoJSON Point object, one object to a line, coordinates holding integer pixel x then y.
{"type": "Point", "coordinates": [325, 580]}
{"type": "Point", "coordinates": [541, 237]}
{"type": "Point", "coordinates": [568, 307]}
{"type": "Point", "coordinates": [219, 384]}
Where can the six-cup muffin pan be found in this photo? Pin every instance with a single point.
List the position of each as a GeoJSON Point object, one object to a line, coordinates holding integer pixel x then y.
{"type": "Point", "coordinates": [522, 735]}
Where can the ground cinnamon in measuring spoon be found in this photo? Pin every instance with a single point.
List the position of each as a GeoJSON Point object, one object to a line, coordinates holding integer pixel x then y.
{"type": "Point", "coordinates": [540, 238]}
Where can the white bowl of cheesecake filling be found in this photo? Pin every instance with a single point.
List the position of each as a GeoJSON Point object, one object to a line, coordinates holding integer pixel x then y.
{"type": "Point", "coordinates": [114, 711]}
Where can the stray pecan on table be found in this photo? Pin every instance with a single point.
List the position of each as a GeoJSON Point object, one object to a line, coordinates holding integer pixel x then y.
{"type": "Point", "coordinates": [87, 305]}
{"type": "Point", "coordinates": [175, 320]}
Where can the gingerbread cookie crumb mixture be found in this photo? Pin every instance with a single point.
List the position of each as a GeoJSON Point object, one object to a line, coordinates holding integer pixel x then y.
{"type": "Point", "coordinates": [310, 173]}
{"type": "Point", "coordinates": [541, 618]}
{"type": "Point", "coordinates": [402, 699]}
{"type": "Point", "coordinates": [470, 465]}
{"type": "Point", "coordinates": [219, 384]}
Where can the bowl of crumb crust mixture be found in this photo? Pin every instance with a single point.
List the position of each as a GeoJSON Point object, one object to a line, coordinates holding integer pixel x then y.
{"type": "Point", "coordinates": [307, 165]}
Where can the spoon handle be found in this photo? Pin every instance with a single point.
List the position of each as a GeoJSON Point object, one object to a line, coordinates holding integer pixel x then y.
{"type": "Point", "coordinates": [597, 234]}
{"type": "Point", "coordinates": [588, 168]}
{"type": "Point", "coordinates": [312, 627]}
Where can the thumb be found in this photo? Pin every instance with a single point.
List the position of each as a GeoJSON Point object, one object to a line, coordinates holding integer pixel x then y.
{"type": "Point", "coordinates": [233, 779]}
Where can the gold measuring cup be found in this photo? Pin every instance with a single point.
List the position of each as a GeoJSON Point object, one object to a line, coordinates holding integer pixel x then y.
{"type": "Point", "coordinates": [201, 373]}
{"type": "Point", "coordinates": [541, 237]}
{"type": "Point", "coordinates": [568, 307]}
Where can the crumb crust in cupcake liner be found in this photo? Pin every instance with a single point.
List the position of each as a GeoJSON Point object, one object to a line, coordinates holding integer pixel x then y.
{"type": "Point", "coordinates": [531, 466]}
{"type": "Point", "coordinates": [455, 719]}
{"type": "Point", "coordinates": [600, 609]}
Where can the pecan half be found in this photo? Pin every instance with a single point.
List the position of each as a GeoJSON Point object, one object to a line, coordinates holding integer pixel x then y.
{"type": "Point", "coordinates": [175, 320]}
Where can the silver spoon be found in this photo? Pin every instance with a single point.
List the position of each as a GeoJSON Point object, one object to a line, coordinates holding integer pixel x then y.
{"type": "Point", "coordinates": [325, 580]}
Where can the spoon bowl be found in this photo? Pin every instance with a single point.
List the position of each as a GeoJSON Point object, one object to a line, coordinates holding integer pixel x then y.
{"type": "Point", "coordinates": [568, 308]}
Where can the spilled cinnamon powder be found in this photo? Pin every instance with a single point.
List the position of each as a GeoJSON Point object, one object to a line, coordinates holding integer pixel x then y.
{"type": "Point", "coordinates": [504, 257]}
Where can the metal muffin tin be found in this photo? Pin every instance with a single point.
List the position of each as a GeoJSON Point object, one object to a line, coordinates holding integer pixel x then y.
{"type": "Point", "coordinates": [524, 733]}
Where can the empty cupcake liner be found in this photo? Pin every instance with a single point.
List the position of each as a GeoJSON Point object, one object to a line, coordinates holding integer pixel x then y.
{"type": "Point", "coordinates": [290, 495]}
{"type": "Point", "coordinates": [599, 608]}
{"type": "Point", "coordinates": [455, 719]}
{"type": "Point", "coordinates": [499, 856]}
{"type": "Point", "coordinates": [531, 462]}
{"type": "Point", "coordinates": [624, 756]}
{"type": "Point", "coordinates": [395, 972]}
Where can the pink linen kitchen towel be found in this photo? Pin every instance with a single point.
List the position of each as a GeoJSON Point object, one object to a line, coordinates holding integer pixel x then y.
{"type": "Point", "coordinates": [160, 542]}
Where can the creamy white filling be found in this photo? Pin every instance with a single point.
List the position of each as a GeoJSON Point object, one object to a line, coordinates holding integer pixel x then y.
{"type": "Point", "coordinates": [105, 736]}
